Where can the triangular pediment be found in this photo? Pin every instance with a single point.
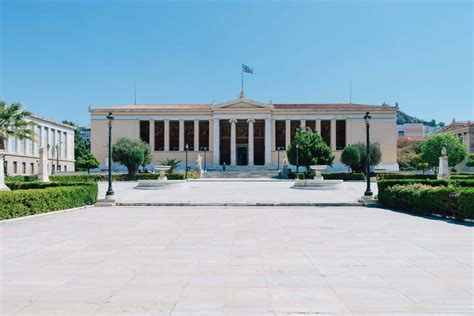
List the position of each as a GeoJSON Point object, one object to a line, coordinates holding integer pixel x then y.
{"type": "Point", "coordinates": [243, 104]}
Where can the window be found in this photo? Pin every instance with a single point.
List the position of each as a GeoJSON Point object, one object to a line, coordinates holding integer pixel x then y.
{"type": "Point", "coordinates": [294, 125]}
{"type": "Point", "coordinates": [32, 168]}
{"type": "Point", "coordinates": [145, 131]}
{"type": "Point", "coordinates": [174, 135]}
{"type": "Point", "coordinates": [189, 134]}
{"type": "Point", "coordinates": [60, 148]}
{"type": "Point", "coordinates": [65, 168]}
{"type": "Point", "coordinates": [159, 135]}
{"type": "Point", "coordinates": [311, 124]}
{"type": "Point", "coordinates": [59, 168]}
{"type": "Point", "coordinates": [15, 167]}
{"type": "Point", "coordinates": [65, 145]}
{"type": "Point", "coordinates": [326, 131]}
{"type": "Point", "coordinates": [280, 135]}
{"type": "Point", "coordinates": [340, 134]}
{"type": "Point", "coordinates": [203, 135]}
{"type": "Point", "coordinates": [401, 133]}
{"type": "Point", "coordinates": [23, 167]}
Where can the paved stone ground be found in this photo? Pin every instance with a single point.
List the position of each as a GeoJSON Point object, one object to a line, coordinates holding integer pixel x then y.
{"type": "Point", "coordinates": [235, 261]}
{"type": "Point", "coordinates": [237, 192]}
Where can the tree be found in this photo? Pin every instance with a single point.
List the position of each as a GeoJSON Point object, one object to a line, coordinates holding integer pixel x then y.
{"type": "Point", "coordinates": [312, 149]}
{"type": "Point", "coordinates": [131, 153]}
{"type": "Point", "coordinates": [13, 123]}
{"type": "Point", "coordinates": [88, 162]}
{"type": "Point", "coordinates": [431, 149]}
{"type": "Point", "coordinates": [80, 145]}
{"type": "Point", "coordinates": [350, 157]}
{"type": "Point", "coordinates": [375, 156]}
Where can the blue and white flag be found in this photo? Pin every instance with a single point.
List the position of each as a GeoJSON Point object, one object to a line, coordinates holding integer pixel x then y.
{"type": "Point", "coordinates": [247, 69]}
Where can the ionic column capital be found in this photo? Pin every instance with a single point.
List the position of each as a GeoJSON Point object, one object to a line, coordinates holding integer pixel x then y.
{"type": "Point", "coordinates": [251, 121]}
{"type": "Point", "coordinates": [233, 121]}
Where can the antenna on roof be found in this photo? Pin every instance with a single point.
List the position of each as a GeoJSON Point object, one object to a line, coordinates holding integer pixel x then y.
{"type": "Point", "coordinates": [350, 91]}
{"type": "Point", "coordinates": [135, 94]}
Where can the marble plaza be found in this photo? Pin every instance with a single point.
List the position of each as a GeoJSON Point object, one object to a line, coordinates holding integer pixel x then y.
{"type": "Point", "coordinates": [235, 261]}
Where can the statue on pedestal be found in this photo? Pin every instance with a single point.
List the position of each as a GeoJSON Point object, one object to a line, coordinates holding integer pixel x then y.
{"type": "Point", "coordinates": [284, 168]}
{"type": "Point", "coordinates": [199, 165]}
{"type": "Point", "coordinates": [43, 174]}
{"type": "Point", "coordinates": [3, 187]}
{"type": "Point", "coordinates": [443, 168]}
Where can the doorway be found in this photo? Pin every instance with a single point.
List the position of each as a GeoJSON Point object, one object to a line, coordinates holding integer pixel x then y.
{"type": "Point", "coordinates": [242, 156]}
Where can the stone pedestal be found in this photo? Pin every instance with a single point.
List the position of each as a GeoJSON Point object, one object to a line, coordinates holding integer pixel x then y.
{"type": "Point", "coordinates": [284, 172]}
{"type": "Point", "coordinates": [443, 168]}
{"type": "Point", "coordinates": [3, 187]}
{"type": "Point", "coordinates": [43, 174]}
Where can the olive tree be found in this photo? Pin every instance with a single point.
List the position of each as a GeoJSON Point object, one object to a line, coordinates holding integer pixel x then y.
{"type": "Point", "coordinates": [350, 157]}
{"type": "Point", "coordinates": [131, 154]}
{"type": "Point", "coordinates": [375, 156]}
{"type": "Point", "coordinates": [312, 149]}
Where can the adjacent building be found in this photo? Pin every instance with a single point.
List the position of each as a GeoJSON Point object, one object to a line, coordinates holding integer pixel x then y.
{"type": "Point", "coordinates": [242, 132]}
{"type": "Point", "coordinates": [415, 131]}
{"type": "Point", "coordinates": [464, 130]}
{"type": "Point", "coordinates": [22, 156]}
{"type": "Point", "coordinates": [85, 133]}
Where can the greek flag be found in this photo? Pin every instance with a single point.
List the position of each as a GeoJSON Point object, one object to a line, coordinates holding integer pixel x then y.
{"type": "Point", "coordinates": [247, 69]}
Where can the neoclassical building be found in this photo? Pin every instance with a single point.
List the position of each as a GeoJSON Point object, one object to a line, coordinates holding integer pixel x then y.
{"type": "Point", "coordinates": [242, 132]}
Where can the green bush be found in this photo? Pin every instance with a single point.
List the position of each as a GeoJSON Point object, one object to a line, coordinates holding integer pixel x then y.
{"type": "Point", "coordinates": [49, 197]}
{"type": "Point", "coordinates": [461, 176]}
{"type": "Point", "coordinates": [470, 161]}
{"type": "Point", "coordinates": [466, 202]}
{"type": "Point", "coordinates": [21, 178]}
{"type": "Point", "coordinates": [115, 177]}
{"type": "Point", "coordinates": [405, 176]}
{"type": "Point", "coordinates": [332, 176]}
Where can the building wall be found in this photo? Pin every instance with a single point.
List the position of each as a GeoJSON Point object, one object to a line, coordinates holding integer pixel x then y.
{"type": "Point", "coordinates": [383, 127]}
{"type": "Point", "coordinates": [26, 153]}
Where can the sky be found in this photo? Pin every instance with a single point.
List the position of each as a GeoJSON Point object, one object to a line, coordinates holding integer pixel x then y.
{"type": "Point", "coordinates": [58, 57]}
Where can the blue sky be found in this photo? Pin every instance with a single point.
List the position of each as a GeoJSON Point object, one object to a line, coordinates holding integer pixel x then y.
{"type": "Point", "coordinates": [60, 56]}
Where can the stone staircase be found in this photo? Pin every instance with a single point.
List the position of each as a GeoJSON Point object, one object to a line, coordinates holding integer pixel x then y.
{"type": "Point", "coordinates": [237, 172]}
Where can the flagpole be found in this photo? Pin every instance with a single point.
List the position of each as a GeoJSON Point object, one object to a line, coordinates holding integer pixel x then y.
{"type": "Point", "coordinates": [242, 75]}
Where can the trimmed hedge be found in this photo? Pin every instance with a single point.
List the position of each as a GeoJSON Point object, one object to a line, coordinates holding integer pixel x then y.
{"type": "Point", "coordinates": [21, 178]}
{"type": "Point", "coordinates": [47, 197]}
{"type": "Point", "coordinates": [461, 176]}
{"type": "Point", "coordinates": [426, 199]}
{"type": "Point", "coordinates": [384, 184]}
{"type": "Point", "coordinates": [331, 176]}
{"type": "Point", "coordinates": [115, 177]}
{"type": "Point", "coordinates": [405, 176]}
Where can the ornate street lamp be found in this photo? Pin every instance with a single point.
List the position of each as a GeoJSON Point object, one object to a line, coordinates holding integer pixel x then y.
{"type": "Point", "coordinates": [367, 118]}
{"type": "Point", "coordinates": [297, 158]}
{"type": "Point", "coordinates": [186, 149]}
{"type": "Point", "coordinates": [110, 192]}
{"type": "Point", "coordinates": [205, 165]}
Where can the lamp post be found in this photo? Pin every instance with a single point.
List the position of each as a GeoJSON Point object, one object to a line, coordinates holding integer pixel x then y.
{"type": "Point", "coordinates": [297, 157]}
{"type": "Point", "coordinates": [205, 165]}
{"type": "Point", "coordinates": [110, 192]}
{"type": "Point", "coordinates": [367, 118]}
{"type": "Point", "coordinates": [52, 158]}
{"type": "Point", "coordinates": [186, 172]}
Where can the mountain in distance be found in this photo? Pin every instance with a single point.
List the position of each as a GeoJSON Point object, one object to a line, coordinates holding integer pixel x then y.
{"type": "Point", "coordinates": [404, 118]}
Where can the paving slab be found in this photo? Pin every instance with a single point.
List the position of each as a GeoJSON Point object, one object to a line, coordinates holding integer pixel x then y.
{"type": "Point", "coordinates": [235, 261]}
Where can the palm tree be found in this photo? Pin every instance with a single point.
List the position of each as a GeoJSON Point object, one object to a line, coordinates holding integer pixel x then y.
{"type": "Point", "coordinates": [13, 124]}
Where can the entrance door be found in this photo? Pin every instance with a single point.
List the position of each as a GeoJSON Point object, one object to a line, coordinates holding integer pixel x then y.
{"type": "Point", "coordinates": [242, 156]}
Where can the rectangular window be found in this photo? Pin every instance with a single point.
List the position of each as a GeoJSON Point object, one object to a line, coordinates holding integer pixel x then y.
{"type": "Point", "coordinates": [53, 142]}
{"type": "Point", "coordinates": [189, 134]}
{"type": "Point", "coordinates": [159, 135]}
{"type": "Point", "coordinates": [23, 167]}
{"type": "Point", "coordinates": [311, 124]}
{"type": "Point", "coordinates": [340, 134]}
{"type": "Point", "coordinates": [203, 135]}
{"type": "Point", "coordinates": [22, 146]}
{"type": "Point", "coordinates": [32, 168]}
{"type": "Point", "coordinates": [326, 131]}
{"type": "Point", "coordinates": [65, 168]}
{"type": "Point", "coordinates": [280, 135]}
{"type": "Point", "coordinates": [401, 133]}
{"type": "Point", "coordinates": [65, 145]}
{"type": "Point", "coordinates": [145, 131]}
{"type": "Point", "coordinates": [293, 128]}
{"type": "Point", "coordinates": [174, 135]}
{"type": "Point", "coordinates": [59, 167]}
{"type": "Point", "coordinates": [15, 167]}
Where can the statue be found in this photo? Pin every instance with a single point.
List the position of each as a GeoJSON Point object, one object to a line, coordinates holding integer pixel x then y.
{"type": "Point", "coordinates": [199, 165]}
{"type": "Point", "coordinates": [285, 160]}
{"type": "Point", "coordinates": [284, 169]}
{"type": "Point", "coordinates": [443, 168]}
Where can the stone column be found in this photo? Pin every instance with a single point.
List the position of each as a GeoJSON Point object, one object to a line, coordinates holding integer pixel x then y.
{"type": "Point", "coordinates": [167, 135]}
{"type": "Point", "coordinates": [152, 135]}
{"type": "Point", "coordinates": [268, 140]}
{"type": "Point", "coordinates": [216, 141]}
{"type": "Point", "coordinates": [318, 126]}
{"type": "Point", "coordinates": [251, 146]}
{"type": "Point", "coordinates": [348, 132]}
{"type": "Point", "coordinates": [196, 135]}
{"type": "Point", "coordinates": [233, 142]}
{"type": "Point", "coordinates": [181, 135]}
{"type": "Point", "coordinates": [43, 173]}
{"type": "Point", "coordinates": [211, 135]}
{"type": "Point", "coordinates": [273, 134]}
{"type": "Point", "coordinates": [333, 135]}
{"type": "Point", "coordinates": [287, 133]}
{"type": "Point", "coordinates": [3, 187]}
{"type": "Point", "coordinates": [303, 123]}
